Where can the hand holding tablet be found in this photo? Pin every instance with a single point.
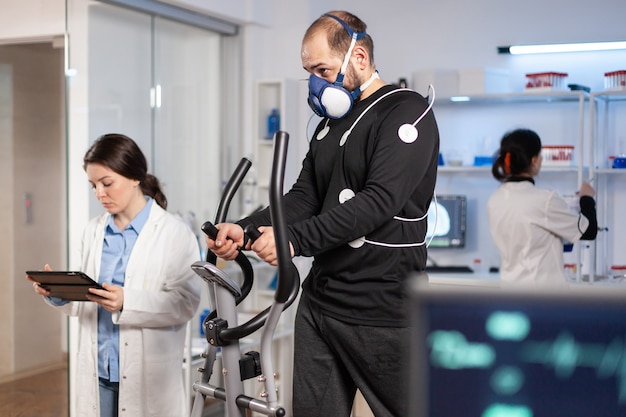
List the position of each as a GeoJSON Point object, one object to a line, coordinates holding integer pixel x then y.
{"type": "Point", "coordinates": [67, 285]}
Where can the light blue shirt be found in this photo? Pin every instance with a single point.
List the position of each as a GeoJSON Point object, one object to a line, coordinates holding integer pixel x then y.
{"type": "Point", "coordinates": [116, 250]}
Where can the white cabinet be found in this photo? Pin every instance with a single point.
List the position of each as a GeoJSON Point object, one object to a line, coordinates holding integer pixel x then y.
{"type": "Point", "coordinates": [474, 127]}
{"type": "Point", "coordinates": [608, 139]}
{"type": "Point", "coordinates": [289, 98]}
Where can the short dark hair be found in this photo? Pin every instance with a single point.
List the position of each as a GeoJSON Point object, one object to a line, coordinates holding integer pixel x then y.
{"type": "Point", "coordinates": [338, 38]}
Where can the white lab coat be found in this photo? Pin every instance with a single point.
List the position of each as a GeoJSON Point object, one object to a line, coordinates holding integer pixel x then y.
{"type": "Point", "coordinates": [528, 226]}
{"type": "Point", "coordinates": [161, 294]}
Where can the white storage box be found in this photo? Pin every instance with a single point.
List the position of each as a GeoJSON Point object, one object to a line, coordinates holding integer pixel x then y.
{"type": "Point", "coordinates": [476, 81]}
{"type": "Point", "coordinates": [445, 82]}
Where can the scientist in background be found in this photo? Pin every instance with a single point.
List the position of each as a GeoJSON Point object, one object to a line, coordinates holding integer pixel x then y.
{"type": "Point", "coordinates": [529, 224]}
{"type": "Point", "coordinates": [131, 335]}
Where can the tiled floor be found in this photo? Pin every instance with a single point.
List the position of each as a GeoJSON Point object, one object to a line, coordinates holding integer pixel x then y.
{"type": "Point", "coordinates": [46, 395]}
{"type": "Point", "coordinates": [40, 395]}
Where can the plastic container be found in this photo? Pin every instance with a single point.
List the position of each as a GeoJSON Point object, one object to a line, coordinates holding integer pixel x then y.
{"type": "Point", "coordinates": [618, 271]}
{"type": "Point", "coordinates": [619, 162]}
{"type": "Point", "coordinates": [615, 80]}
{"type": "Point", "coordinates": [610, 160]}
{"type": "Point", "coordinates": [273, 123]}
{"type": "Point", "coordinates": [570, 271]}
{"type": "Point", "coordinates": [545, 81]}
{"type": "Point", "coordinates": [482, 160]}
{"type": "Point", "coordinates": [557, 155]}
{"type": "Point", "coordinates": [479, 266]}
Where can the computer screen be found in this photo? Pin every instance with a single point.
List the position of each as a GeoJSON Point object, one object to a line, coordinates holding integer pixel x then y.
{"type": "Point", "coordinates": [446, 221]}
{"type": "Point", "coordinates": [488, 352]}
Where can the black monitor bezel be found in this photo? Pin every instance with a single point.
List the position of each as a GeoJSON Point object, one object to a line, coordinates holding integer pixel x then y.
{"type": "Point", "coordinates": [460, 220]}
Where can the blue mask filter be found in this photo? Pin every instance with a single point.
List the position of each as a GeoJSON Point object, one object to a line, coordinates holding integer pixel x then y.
{"type": "Point", "coordinates": [330, 100]}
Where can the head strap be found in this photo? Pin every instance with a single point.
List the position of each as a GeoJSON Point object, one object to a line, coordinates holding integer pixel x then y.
{"type": "Point", "coordinates": [353, 33]}
{"type": "Point", "coordinates": [355, 37]}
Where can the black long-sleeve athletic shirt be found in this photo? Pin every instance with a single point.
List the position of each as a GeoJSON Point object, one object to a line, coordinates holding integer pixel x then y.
{"type": "Point", "coordinates": [354, 180]}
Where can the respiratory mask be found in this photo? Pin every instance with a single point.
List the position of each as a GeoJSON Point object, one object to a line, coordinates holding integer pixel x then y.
{"type": "Point", "coordinates": [332, 100]}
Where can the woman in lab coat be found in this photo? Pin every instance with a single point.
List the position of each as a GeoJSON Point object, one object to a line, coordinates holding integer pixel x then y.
{"type": "Point", "coordinates": [529, 224]}
{"type": "Point", "coordinates": [131, 337]}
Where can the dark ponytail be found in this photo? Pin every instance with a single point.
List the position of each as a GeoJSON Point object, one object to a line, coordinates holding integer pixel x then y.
{"type": "Point", "coordinates": [122, 155]}
{"type": "Point", "coordinates": [152, 187]}
{"type": "Point", "coordinates": [514, 158]}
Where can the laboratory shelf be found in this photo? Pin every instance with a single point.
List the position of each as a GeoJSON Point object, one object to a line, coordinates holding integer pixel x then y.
{"type": "Point", "coordinates": [469, 169]}
{"type": "Point", "coordinates": [504, 98]}
{"type": "Point", "coordinates": [607, 137]}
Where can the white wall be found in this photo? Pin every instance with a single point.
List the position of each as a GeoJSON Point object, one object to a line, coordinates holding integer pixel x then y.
{"type": "Point", "coordinates": [238, 11]}
{"type": "Point", "coordinates": [410, 35]}
{"type": "Point", "coordinates": [26, 20]}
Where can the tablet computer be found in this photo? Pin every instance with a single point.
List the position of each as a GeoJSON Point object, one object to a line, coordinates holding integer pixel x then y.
{"type": "Point", "coordinates": [67, 285]}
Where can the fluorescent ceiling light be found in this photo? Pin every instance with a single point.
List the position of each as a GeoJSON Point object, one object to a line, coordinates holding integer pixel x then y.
{"type": "Point", "coordinates": [561, 47]}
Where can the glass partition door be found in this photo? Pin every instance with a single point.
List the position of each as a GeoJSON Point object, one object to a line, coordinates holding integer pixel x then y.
{"type": "Point", "coordinates": [157, 81]}
{"type": "Point", "coordinates": [186, 117]}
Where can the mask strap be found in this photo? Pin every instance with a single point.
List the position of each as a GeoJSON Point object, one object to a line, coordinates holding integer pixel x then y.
{"type": "Point", "coordinates": [352, 32]}
{"type": "Point", "coordinates": [346, 59]}
{"type": "Point", "coordinates": [367, 83]}
{"type": "Point", "coordinates": [356, 93]}
{"type": "Point", "coordinates": [355, 37]}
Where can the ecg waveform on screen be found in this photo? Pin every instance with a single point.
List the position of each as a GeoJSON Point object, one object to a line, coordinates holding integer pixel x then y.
{"type": "Point", "coordinates": [565, 354]}
{"type": "Point", "coordinates": [451, 350]}
{"type": "Point", "coordinates": [526, 359]}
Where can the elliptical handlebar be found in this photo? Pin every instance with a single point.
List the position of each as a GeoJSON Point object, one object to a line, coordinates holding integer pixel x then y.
{"type": "Point", "coordinates": [227, 294]}
{"type": "Point", "coordinates": [288, 285]}
{"type": "Point", "coordinates": [287, 271]}
{"type": "Point", "coordinates": [231, 187]}
{"type": "Point", "coordinates": [242, 260]}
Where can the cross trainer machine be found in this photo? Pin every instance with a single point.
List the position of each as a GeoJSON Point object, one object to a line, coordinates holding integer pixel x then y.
{"type": "Point", "coordinates": [221, 327]}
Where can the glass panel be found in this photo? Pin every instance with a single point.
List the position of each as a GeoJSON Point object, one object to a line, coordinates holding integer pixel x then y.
{"type": "Point", "coordinates": [187, 118]}
{"type": "Point", "coordinates": [155, 81]}
{"type": "Point", "coordinates": [120, 68]}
